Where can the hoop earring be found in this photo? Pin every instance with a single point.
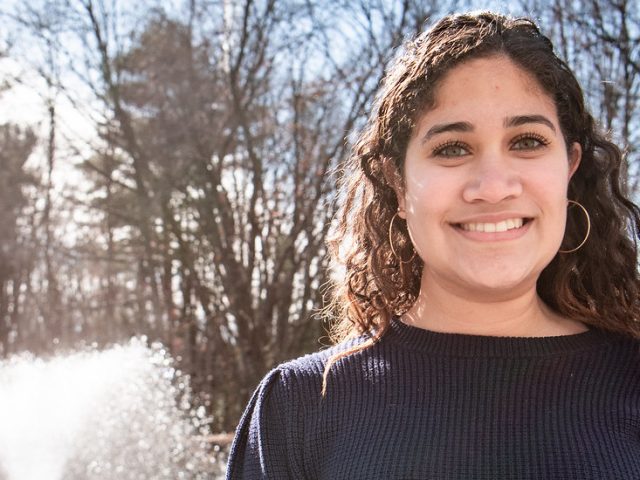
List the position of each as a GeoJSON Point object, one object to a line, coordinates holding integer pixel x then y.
{"type": "Point", "coordinates": [393, 250]}
{"type": "Point", "coordinates": [586, 214]}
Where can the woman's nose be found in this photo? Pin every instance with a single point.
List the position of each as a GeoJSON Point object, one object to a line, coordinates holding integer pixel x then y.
{"type": "Point", "coordinates": [492, 180]}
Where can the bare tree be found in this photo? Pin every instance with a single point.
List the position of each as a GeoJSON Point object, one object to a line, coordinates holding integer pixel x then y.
{"type": "Point", "coordinates": [209, 189]}
{"type": "Point", "coordinates": [17, 248]}
{"type": "Point", "coordinates": [600, 39]}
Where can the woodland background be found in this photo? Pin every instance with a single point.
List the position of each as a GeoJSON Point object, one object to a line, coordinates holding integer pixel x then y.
{"type": "Point", "coordinates": [177, 175]}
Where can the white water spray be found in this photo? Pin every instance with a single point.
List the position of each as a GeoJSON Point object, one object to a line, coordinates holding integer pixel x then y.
{"type": "Point", "coordinates": [121, 413]}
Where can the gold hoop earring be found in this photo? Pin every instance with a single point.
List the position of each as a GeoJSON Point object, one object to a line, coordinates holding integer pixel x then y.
{"type": "Point", "coordinates": [586, 214]}
{"type": "Point", "coordinates": [393, 250]}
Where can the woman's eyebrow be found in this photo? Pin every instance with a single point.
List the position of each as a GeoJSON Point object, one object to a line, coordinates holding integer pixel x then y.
{"type": "Point", "coordinates": [514, 121]}
{"type": "Point", "coordinates": [446, 127]}
{"type": "Point", "coordinates": [518, 120]}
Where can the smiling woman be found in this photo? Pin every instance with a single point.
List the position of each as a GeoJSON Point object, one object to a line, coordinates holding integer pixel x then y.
{"type": "Point", "coordinates": [488, 317]}
{"type": "Point", "coordinates": [487, 158]}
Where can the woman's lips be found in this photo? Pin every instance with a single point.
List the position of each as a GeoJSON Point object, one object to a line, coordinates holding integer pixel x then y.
{"type": "Point", "coordinates": [507, 229]}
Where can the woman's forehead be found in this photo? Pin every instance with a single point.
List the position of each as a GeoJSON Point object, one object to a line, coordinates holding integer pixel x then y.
{"type": "Point", "coordinates": [480, 88]}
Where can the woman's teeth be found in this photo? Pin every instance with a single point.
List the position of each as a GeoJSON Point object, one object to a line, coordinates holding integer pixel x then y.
{"type": "Point", "coordinates": [502, 226]}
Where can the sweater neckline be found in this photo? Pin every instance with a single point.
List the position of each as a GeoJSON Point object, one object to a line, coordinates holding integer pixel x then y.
{"type": "Point", "coordinates": [468, 345]}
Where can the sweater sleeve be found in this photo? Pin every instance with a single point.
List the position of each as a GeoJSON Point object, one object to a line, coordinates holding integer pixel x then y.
{"type": "Point", "coordinates": [265, 446]}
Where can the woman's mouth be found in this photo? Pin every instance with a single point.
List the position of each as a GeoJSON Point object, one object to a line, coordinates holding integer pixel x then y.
{"type": "Point", "coordinates": [504, 230]}
{"type": "Point", "coordinates": [489, 227]}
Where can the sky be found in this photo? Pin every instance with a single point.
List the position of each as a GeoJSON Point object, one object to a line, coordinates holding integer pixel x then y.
{"type": "Point", "coordinates": [25, 105]}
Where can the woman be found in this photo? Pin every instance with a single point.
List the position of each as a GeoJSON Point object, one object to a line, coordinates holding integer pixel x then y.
{"type": "Point", "coordinates": [489, 306]}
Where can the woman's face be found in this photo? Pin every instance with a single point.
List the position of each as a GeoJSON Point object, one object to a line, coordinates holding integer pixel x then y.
{"type": "Point", "coordinates": [486, 176]}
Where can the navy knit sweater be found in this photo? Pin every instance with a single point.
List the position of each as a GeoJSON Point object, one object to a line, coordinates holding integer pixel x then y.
{"type": "Point", "coordinates": [427, 405]}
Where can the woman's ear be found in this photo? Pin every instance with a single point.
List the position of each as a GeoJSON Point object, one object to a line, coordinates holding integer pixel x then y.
{"type": "Point", "coordinates": [575, 156]}
{"type": "Point", "coordinates": [394, 179]}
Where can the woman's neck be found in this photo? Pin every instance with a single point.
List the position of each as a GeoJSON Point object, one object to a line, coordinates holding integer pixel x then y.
{"type": "Point", "coordinates": [522, 314]}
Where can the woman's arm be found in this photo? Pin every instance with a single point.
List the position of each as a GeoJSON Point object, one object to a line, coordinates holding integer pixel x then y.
{"type": "Point", "coordinates": [264, 447]}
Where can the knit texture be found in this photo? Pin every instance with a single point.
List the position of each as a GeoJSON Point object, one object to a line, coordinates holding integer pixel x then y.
{"type": "Point", "coordinates": [428, 405]}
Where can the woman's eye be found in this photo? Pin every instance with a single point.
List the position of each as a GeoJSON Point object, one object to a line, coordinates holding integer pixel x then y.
{"type": "Point", "coordinates": [529, 143]}
{"type": "Point", "coordinates": [450, 150]}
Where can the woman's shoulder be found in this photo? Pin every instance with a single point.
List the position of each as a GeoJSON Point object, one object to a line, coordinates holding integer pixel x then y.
{"type": "Point", "coordinates": [310, 367]}
{"type": "Point", "coordinates": [302, 378]}
{"type": "Point", "coordinates": [288, 398]}
{"type": "Point", "coordinates": [618, 340]}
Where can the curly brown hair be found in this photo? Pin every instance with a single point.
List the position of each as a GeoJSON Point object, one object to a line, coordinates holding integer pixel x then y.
{"type": "Point", "coordinates": [598, 284]}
